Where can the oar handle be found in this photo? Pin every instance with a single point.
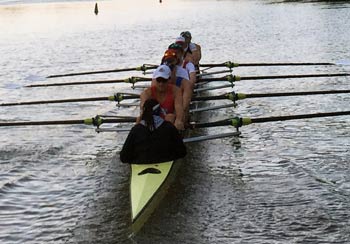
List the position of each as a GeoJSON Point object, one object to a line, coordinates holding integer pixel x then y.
{"type": "Point", "coordinates": [227, 64]}
{"type": "Point", "coordinates": [236, 122]}
{"type": "Point", "coordinates": [231, 78]}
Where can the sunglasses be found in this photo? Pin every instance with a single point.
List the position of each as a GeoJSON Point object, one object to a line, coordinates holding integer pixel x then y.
{"type": "Point", "coordinates": [161, 80]}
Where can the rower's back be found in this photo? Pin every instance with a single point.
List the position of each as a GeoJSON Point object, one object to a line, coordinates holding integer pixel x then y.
{"type": "Point", "coordinates": [153, 140]}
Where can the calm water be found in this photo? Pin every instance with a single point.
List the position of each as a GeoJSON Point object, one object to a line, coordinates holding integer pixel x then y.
{"type": "Point", "coordinates": [285, 182]}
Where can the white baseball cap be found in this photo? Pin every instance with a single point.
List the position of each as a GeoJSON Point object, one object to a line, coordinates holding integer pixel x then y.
{"type": "Point", "coordinates": [179, 39]}
{"type": "Point", "coordinates": [162, 71]}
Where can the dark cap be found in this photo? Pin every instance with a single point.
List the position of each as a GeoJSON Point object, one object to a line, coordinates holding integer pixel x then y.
{"type": "Point", "coordinates": [186, 34]}
{"type": "Point", "coordinates": [175, 46]}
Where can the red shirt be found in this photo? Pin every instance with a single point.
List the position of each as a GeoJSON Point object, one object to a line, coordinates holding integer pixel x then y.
{"type": "Point", "coordinates": [169, 101]}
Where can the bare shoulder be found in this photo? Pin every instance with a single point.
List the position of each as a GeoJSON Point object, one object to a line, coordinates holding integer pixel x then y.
{"type": "Point", "coordinates": [197, 47]}
{"type": "Point", "coordinates": [146, 93]}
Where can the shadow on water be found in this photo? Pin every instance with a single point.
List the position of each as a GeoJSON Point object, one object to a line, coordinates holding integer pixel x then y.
{"type": "Point", "coordinates": [11, 2]}
{"type": "Point", "coordinates": [313, 1]}
{"type": "Point", "coordinates": [330, 4]}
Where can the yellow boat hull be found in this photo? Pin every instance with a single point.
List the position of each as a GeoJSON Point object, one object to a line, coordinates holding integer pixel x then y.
{"type": "Point", "coordinates": [149, 183]}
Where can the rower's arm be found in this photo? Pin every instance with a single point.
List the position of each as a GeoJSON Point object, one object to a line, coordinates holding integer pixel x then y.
{"type": "Point", "coordinates": [197, 54]}
{"type": "Point", "coordinates": [143, 97]}
{"type": "Point", "coordinates": [178, 108]}
{"type": "Point", "coordinates": [192, 73]}
{"type": "Point", "coordinates": [193, 79]}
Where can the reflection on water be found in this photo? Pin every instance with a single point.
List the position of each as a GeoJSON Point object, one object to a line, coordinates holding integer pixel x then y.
{"type": "Point", "coordinates": [335, 4]}
{"type": "Point", "coordinates": [282, 182]}
{"type": "Point", "coordinates": [20, 2]}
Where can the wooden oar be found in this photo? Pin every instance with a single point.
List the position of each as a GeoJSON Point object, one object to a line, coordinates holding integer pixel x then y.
{"type": "Point", "coordinates": [233, 96]}
{"type": "Point", "coordinates": [96, 121]}
{"type": "Point", "coordinates": [118, 97]}
{"type": "Point", "coordinates": [233, 78]}
{"type": "Point", "coordinates": [231, 65]}
{"type": "Point", "coordinates": [143, 68]}
{"type": "Point", "coordinates": [131, 80]}
{"type": "Point", "coordinates": [185, 140]}
{"type": "Point", "coordinates": [240, 96]}
{"type": "Point", "coordinates": [210, 88]}
{"type": "Point", "coordinates": [227, 64]}
{"type": "Point", "coordinates": [238, 122]}
{"type": "Point", "coordinates": [213, 73]}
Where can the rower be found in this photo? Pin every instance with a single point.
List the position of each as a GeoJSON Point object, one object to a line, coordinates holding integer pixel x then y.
{"type": "Point", "coordinates": [180, 75]}
{"type": "Point", "coordinates": [168, 95]}
{"type": "Point", "coordinates": [187, 61]}
{"type": "Point", "coordinates": [192, 49]}
{"type": "Point", "coordinates": [153, 140]}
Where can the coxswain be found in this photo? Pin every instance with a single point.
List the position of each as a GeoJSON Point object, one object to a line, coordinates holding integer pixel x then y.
{"type": "Point", "coordinates": [153, 140]}
{"type": "Point", "coordinates": [168, 95]}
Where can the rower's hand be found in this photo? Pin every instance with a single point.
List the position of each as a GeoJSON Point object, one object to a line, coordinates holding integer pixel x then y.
{"type": "Point", "coordinates": [179, 125]}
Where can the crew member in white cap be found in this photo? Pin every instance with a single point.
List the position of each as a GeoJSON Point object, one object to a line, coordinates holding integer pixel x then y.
{"type": "Point", "coordinates": [168, 95]}
{"type": "Point", "coordinates": [187, 61]}
{"type": "Point", "coordinates": [174, 58]}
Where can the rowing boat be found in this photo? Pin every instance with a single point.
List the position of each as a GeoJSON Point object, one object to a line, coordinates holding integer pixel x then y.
{"type": "Point", "coordinates": [148, 186]}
